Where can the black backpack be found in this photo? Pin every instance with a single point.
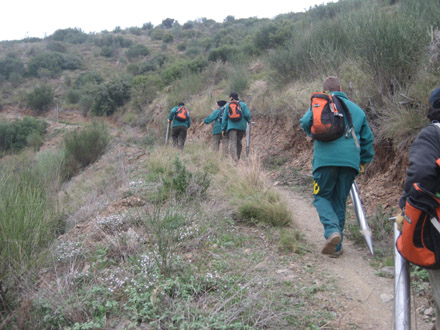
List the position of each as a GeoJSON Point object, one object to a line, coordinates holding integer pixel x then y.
{"type": "Point", "coordinates": [328, 118]}
{"type": "Point", "coordinates": [182, 114]}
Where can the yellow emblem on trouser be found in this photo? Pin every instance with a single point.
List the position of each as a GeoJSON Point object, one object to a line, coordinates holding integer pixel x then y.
{"type": "Point", "coordinates": [315, 188]}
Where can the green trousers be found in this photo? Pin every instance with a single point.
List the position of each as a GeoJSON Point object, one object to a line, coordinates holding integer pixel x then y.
{"type": "Point", "coordinates": [331, 188]}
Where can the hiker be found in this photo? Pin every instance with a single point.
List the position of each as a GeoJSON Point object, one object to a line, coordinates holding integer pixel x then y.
{"type": "Point", "coordinates": [216, 117]}
{"type": "Point", "coordinates": [424, 162]}
{"type": "Point", "coordinates": [235, 116]}
{"type": "Point", "coordinates": [335, 166]}
{"type": "Point", "coordinates": [181, 122]}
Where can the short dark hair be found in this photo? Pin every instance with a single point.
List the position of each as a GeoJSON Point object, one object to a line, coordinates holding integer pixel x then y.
{"type": "Point", "coordinates": [433, 114]}
{"type": "Point", "coordinates": [234, 95]}
{"type": "Point", "coordinates": [221, 103]}
{"type": "Point", "coordinates": [181, 103]}
{"type": "Point", "coordinates": [331, 84]}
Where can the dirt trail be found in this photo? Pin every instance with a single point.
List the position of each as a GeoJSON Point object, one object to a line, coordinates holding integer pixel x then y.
{"type": "Point", "coordinates": [365, 298]}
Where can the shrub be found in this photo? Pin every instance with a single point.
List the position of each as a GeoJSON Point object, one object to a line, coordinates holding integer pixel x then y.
{"type": "Point", "coordinates": [224, 53]}
{"type": "Point", "coordinates": [143, 90]}
{"type": "Point", "coordinates": [113, 41]}
{"type": "Point", "coordinates": [137, 50]}
{"type": "Point", "coordinates": [153, 64]}
{"type": "Point", "coordinates": [84, 80]}
{"type": "Point", "coordinates": [83, 147]}
{"type": "Point", "coordinates": [73, 96]}
{"type": "Point", "coordinates": [72, 62]}
{"type": "Point", "coordinates": [41, 98]}
{"type": "Point", "coordinates": [272, 36]}
{"type": "Point", "coordinates": [28, 218]}
{"type": "Point", "coordinates": [264, 209]}
{"type": "Point", "coordinates": [133, 69]}
{"type": "Point", "coordinates": [56, 46]}
{"type": "Point", "coordinates": [179, 68]}
{"type": "Point", "coordinates": [111, 96]}
{"type": "Point", "coordinates": [51, 61]}
{"type": "Point", "coordinates": [11, 65]}
{"type": "Point", "coordinates": [16, 135]}
{"type": "Point", "coordinates": [73, 36]}
{"type": "Point", "coordinates": [137, 31]}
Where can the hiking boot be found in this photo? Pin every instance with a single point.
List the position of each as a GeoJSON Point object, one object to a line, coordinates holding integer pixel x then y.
{"type": "Point", "coordinates": [336, 254]}
{"type": "Point", "coordinates": [330, 244]}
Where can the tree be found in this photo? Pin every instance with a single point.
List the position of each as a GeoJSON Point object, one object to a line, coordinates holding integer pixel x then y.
{"type": "Point", "coordinates": [168, 23]}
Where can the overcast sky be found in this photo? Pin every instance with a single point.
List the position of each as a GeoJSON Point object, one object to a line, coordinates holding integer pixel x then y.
{"type": "Point", "coordinates": [40, 18]}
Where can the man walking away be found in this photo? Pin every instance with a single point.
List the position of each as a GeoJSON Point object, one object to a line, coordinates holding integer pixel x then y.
{"type": "Point", "coordinates": [181, 122]}
{"type": "Point", "coordinates": [235, 116]}
{"type": "Point", "coordinates": [335, 166]}
{"type": "Point", "coordinates": [216, 117]}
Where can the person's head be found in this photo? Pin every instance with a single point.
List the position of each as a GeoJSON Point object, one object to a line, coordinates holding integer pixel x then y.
{"type": "Point", "coordinates": [181, 104]}
{"type": "Point", "coordinates": [434, 105]}
{"type": "Point", "coordinates": [233, 96]}
{"type": "Point", "coordinates": [331, 84]}
{"type": "Point", "coordinates": [221, 103]}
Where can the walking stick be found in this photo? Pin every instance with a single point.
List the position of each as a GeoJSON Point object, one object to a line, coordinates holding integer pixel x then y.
{"type": "Point", "coordinates": [248, 137]}
{"type": "Point", "coordinates": [167, 135]}
{"type": "Point", "coordinates": [402, 301]}
{"type": "Point", "coordinates": [363, 224]}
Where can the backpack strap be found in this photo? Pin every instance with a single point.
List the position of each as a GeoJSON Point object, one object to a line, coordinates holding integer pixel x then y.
{"type": "Point", "coordinates": [350, 121]}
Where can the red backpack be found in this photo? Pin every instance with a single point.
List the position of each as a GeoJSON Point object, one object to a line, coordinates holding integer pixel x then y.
{"type": "Point", "coordinates": [182, 114]}
{"type": "Point", "coordinates": [234, 112]}
{"type": "Point", "coordinates": [419, 241]}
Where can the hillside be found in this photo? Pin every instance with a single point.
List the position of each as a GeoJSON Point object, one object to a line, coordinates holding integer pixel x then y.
{"type": "Point", "coordinates": [125, 242]}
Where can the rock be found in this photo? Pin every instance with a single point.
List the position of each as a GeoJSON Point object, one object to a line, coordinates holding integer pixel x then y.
{"type": "Point", "coordinates": [388, 270]}
{"type": "Point", "coordinates": [386, 297]}
{"type": "Point", "coordinates": [428, 311]}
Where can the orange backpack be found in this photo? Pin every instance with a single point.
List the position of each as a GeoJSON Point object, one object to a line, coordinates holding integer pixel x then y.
{"type": "Point", "coordinates": [419, 241]}
{"type": "Point", "coordinates": [182, 114]}
{"type": "Point", "coordinates": [328, 118]}
{"type": "Point", "coordinates": [234, 113]}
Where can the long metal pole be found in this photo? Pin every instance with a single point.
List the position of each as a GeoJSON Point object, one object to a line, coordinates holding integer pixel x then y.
{"type": "Point", "coordinates": [360, 215]}
{"type": "Point", "coordinates": [167, 136]}
{"type": "Point", "coordinates": [402, 298]}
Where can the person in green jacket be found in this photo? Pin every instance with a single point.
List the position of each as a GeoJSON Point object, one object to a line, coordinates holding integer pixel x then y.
{"type": "Point", "coordinates": [216, 117]}
{"type": "Point", "coordinates": [234, 124]}
{"type": "Point", "coordinates": [335, 166]}
{"type": "Point", "coordinates": [181, 122]}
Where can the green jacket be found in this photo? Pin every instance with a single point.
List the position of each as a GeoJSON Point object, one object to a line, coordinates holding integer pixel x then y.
{"type": "Point", "coordinates": [216, 118]}
{"type": "Point", "coordinates": [239, 125]}
{"type": "Point", "coordinates": [176, 122]}
{"type": "Point", "coordinates": [343, 151]}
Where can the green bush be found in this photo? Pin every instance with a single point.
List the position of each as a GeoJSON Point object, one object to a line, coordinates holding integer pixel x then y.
{"type": "Point", "coordinates": [136, 51]}
{"type": "Point", "coordinates": [11, 65]}
{"type": "Point", "coordinates": [111, 96]}
{"type": "Point", "coordinates": [153, 64]}
{"type": "Point", "coordinates": [73, 96]}
{"type": "Point", "coordinates": [41, 98]}
{"type": "Point", "coordinates": [73, 36]}
{"type": "Point", "coordinates": [83, 147]}
{"type": "Point", "coordinates": [137, 31]}
{"type": "Point", "coordinates": [143, 90]}
{"type": "Point", "coordinates": [28, 217]}
{"type": "Point", "coordinates": [51, 61]}
{"type": "Point", "coordinates": [84, 80]}
{"type": "Point", "coordinates": [112, 41]}
{"type": "Point", "coordinates": [263, 210]}
{"type": "Point", "coordinates": [16, 135]}
{"type": "Point", "coordinates": [224, 53]}
{"type": "Point", "coordinates": [56, 46]}
{"type": "Point", "coordinates": [179, 68]}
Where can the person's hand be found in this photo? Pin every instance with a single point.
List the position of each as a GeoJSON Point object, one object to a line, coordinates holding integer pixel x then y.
{"type": "Point", "coordinates": [169, 120]}
{"type": "Point", "coordinates": [361, 168]}
{"type": "Point", "coordinates": [399, 220]}
{"type": "Point", "coordinates": [223, 133]}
